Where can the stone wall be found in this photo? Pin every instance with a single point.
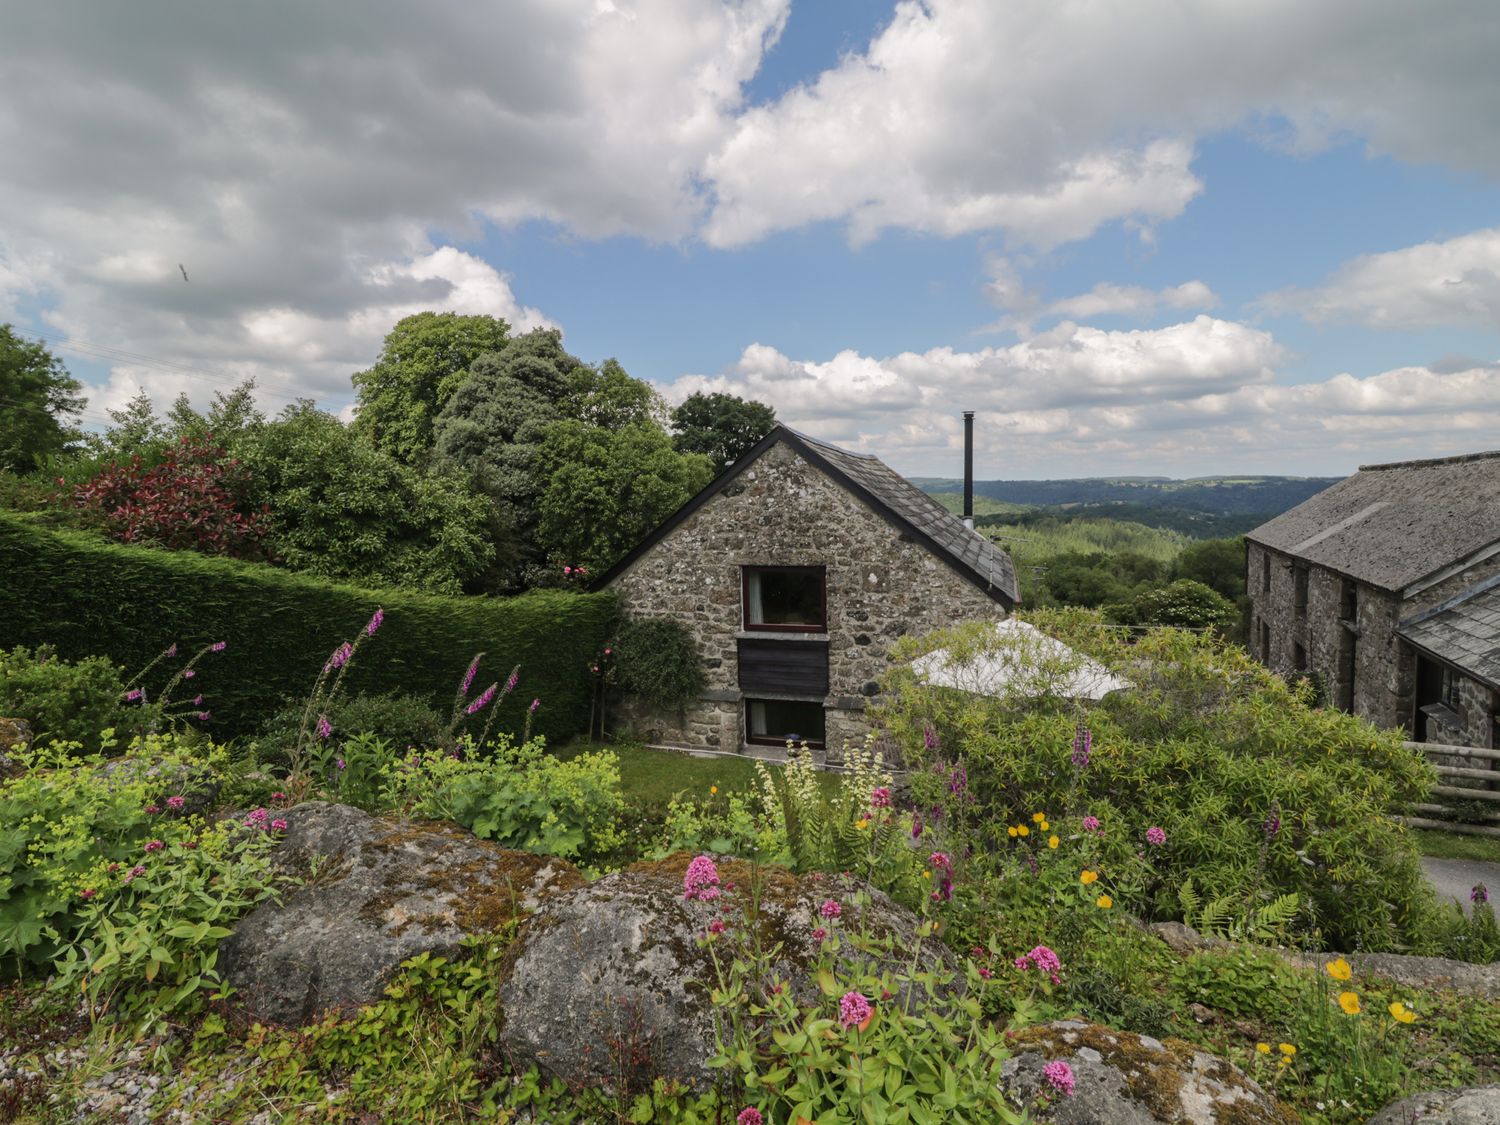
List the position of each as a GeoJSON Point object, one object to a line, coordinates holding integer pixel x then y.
{"type": "Point", "coordinates": [783, 511]}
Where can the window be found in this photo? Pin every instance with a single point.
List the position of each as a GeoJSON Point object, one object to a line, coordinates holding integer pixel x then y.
{"type": "Point", "coordinates": [776, 722]}
{"type": "Point", "coordinates": [789, 599]}
{"type": "Point", "coordinates": [1299, 657]}
{"type": "Point", "coordinates": [1265, 642]}
{"type": "Point", "coordinates": [1299, 591]}
{"type": "Point", "coordinates": [1265, 571]}
{"type": "Point", "coordinates": [1349, 600]}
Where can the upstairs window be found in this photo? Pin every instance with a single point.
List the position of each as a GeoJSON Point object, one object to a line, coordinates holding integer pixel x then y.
{"type": "Point", "coordinates": [789, 599]}
{"type": "Point", "coordinates": [1299, 591]}
{"type": "Point", "coordinates": [1265, 571]}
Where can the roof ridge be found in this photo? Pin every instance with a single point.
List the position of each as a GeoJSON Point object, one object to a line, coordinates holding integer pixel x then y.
{"type": "Point", "coordinates": [1456, 459]}
{"type": "Point", "coordinates": [829, 445]}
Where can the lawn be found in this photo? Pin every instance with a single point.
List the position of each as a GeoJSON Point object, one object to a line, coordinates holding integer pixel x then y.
{"type": "Point", "coordinates": [1450, 845]}
{"type": "Point", "coordinates": [654, 777]}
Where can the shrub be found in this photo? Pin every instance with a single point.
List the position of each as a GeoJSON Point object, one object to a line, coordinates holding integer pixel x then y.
{"type": "Point", "coordinates": [1208, 746]}
{"type": "Point", "coordinates": [657, 660]}
{"type": "Point", "coordinates": [88, 597]}
{"type": "Point", "coordinates": [1183, 604]}
{"type": "Point", "coordinates": [399, 718]}
{"type": "Point", "coordinates": [62, 701]}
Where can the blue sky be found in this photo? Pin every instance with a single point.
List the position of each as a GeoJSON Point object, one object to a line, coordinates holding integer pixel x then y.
{"type": "Point", "coordinates": [1149, 238]}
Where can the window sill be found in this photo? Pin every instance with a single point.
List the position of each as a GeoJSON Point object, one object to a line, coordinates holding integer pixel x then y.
{"type": "Point", "coordinates": [777, 635]}
{"type": "Point", "coordinates": [1443, 715]}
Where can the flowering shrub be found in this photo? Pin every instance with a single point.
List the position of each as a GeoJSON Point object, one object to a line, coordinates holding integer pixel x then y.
{"type": "Point", "coordinates": [69, 701]}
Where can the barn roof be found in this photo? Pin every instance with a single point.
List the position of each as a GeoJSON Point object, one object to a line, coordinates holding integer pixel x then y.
{"type": "Point", "coordinates": [901, 503]}
{"type": "Point", "coordinates": [1464, 631]}
{"type": "Point", "coordinates": [1395, 524]}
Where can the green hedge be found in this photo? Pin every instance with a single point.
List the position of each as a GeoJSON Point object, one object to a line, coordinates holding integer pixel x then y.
{"type": "Point", "coordinates": [89, 597]}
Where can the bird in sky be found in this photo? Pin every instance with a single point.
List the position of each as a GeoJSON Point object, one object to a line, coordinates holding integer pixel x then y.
{"type": "Point", "coordinates": [183, 268]}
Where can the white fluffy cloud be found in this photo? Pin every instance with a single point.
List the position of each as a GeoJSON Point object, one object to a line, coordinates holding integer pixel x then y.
{"type": "Point", "coordinates": [1436, 284]}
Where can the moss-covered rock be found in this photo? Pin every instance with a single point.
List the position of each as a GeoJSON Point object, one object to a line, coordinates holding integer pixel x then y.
{"type": "Point", "coordinates": [378, 891]}
{"type": "Point", "coordinates": [1467, 1105]}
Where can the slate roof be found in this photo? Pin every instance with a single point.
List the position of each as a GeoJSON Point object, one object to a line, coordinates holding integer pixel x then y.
{"type": "Point", "coordinates": [1394, 524]}
{"type": "Point", "coordinates": [1464, 631]}
{"type": "Point", "coordinates": [897, 500]}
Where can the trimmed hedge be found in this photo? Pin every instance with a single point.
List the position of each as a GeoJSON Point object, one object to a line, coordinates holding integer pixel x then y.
{"type": "Point", "coordinates": [88, 597]}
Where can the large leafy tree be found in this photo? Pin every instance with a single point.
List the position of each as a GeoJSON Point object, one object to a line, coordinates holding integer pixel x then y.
{"type": "Point", "coordinates": [39, 402]}
{"type": "Point", "coordinates": [427, 357]}
{"type": "Point", "coordinates": [723, 427]}
{"type": "Point", "coordinates": [606, 488]}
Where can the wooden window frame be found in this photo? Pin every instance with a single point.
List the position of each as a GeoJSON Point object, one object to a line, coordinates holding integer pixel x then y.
{"type": "Point", "coordinates": [749, 626]}
{"type": "Point", "coordinates": [759, 740]}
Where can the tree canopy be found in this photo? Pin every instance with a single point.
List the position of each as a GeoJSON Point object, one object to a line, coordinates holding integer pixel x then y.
{"type": "Point", "coordinates": [39, 402]}
{"type": "Point", "coordinates": [720, 426]}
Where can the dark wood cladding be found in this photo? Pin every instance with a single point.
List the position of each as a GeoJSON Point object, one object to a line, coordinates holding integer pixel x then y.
{"type": "Point", "coordinates": [784, 667]}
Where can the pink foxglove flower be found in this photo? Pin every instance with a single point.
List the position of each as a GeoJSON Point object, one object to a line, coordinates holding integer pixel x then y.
{"type": "Point", "coordinates": [375, 622]}
{"type": "Point", "coordinates": [218, 646]}
{"type": "Point", "coordinates": [325, 728]}
{"type": "Point", "coordinates": [483, 700]}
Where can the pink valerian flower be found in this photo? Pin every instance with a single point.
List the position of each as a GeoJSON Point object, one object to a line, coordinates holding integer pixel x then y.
{"type": "Point", "coordinates": [176, 802]}
{"type": "Point", "coordinates": [716, 926]}
{"type": "Point", "coordinates": [1042, 959]}
{"type": "Point", "coordinates": [1091, 824]}
{"type": "Point", "coordinates": [135, 872]}
{"type": "Point", "coordinates": [153, 808]}
{"type": "Point", "coordinates": [278, 796]}
{"type": "Point", "coordinates": [701, 880]}
{"type": "Point", "coordinates": [133, 694]}
{"type": "Point", "coordinates": [87, 893]}
{"type": "Point", "coordinates": [278, 825]}
{"type": "Point", "coordinates": [1155, 836]}
{"type": "Point", "coordinates": [340, 657]}
{"type": "Point", "coordinates": [375, 622]}
{"type": "Point", "coordinates": [218, 646]}
{"type": "Point", "coordinates": [749, 1116]}
{"type": "Point", "coordinates": [819, 934]}
{"type": "Point", "coordinates": [258, 818]}
{"type": "Point", "coordinates": [831, 909]}
{"type": "Point", "coordinates": [154, 846]}
{"type": "Point", "coordinates": [325, 728]}
{"type": "Point", "coordinates": [958, 780]}
{"type": "Point", "coordinates": [1059, 1076]}
{"type": "Point", "coordinates": [940, 859]}
{"type": "Point", "coordinates": [480, 703]}
{"type": "Point", "coordinates": [984, 973]}
{"type": "Point", "coordinates": [854, 1009]}
{"type": "Point", "coordinates": [880, 797]}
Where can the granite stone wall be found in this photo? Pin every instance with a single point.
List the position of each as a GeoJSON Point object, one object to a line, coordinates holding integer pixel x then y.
{"type": "Point", "coordinates": [783, 511]}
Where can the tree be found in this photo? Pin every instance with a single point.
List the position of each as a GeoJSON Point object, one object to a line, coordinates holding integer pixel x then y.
{"type": "Point", "coordinates": [1183, 604]}
{"type": "Point", "coordinates": [136, 428]}
{"type": "Point", "coordinates": [721, 426]}
{"type": "Point", "coordinates": [1219, 563]}
{"type": "Point", "coordinates": [608, 487]}
{"type": "Point", "coordinates": [425, 360]}
{"type": "Point", "coordinates": [38, 400]}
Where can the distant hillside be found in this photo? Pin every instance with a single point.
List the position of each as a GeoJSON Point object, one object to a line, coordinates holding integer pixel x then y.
{"type": "Point", "coordinates": [1222, 496]}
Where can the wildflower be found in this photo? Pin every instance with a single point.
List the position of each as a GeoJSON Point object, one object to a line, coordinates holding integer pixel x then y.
{"type": "Point", "coordinates": [1011, 831]}
{"type": "Point", "coordinates": [1287, 1049]}
{"type": "Point", "coordinates": [278, 796]}
{"type": "Point", "coordinates": [202, 716]}
{"type": "Point", "coordinates": [939, 859]}
{"type": "Point", "coordinates": [1339, 970]}
{"type": "Point", "coordinates": [278, 825]}
{"type": "Point", "coordinates": [1091, 824]}
{"type": "Point", "coordinates": [716, 926]}
{"type": "Point", "coordinates": [855, 1011]}
{"type": "Point", "coordinates": [341, 764]}
{"type": "Point", "coordinates": [340, 657]}
{"type": "Point", "coordinates": [154, 845]}
{"type": "Point", "coordinates": [135, 872]}
{"type": "Point", "coordinates": [880, 797]}
{"type": "Point", "coordinates": [701, 881]}
{"type": "Point", "coordinates": [567, 570]}
{"type": "Point", "coordinates": [927, 874]}
{"type": "Point", "coordinates": [1038, 817]}
{"type": "Point", "coordinates": [1263, 1048]}
{"type": "Point", "coordinates": [171, 650]}
{"type": "Point", "coordinates": [713, 790]}
{"type": "Point", "coordinates": [1022, 830]}
{"type": "Point", "coordinates": [1272, 824]}
{"type": "Point", "coordinates": [1349, 1002]}
{"type": "Point", "coordinates": [325, 728]}
{"type": "Point", "coordinates": [1041, 958]}
{"type": "Point", "coordinates": [1401, 1013]}
{"type": "Point", "coordinates": [1044, 826]}
{"type": "Point", "coordinates": [984, 973]}
{"type": "Point", "coordinates": [535, 703]}
{"type": "Point", "coordinates": [958, 780]}
{"type": "Point", "coordinates": [819, 934]}
{"type": "Point", "coordinates": [916, 826]}
{"type": "Point", "coordinates": [1104, 902]}
{"type": "Point", "coordinates": [133, 694]}
{"type": "Point", "coordinates": [1155, 836]}
{"type": "Point", "coordinates": [112, 868]}
{"type": "Point", "coordinates": [1052, 842]}
{"type": "Point", "coordinates": [153, 808]}
{"type": "Point", "coordinates": [218, 646]}
{"type": "Point", "coordinates": [375, 622]}
{"type": "Point", "coordinates": [1088, 877]}
{"type": "Point", "coordinates": [930, 738]}
{"type": "Point", "coordinates": [87, 893]}
{"type": "Point", "coordinates": [749, 1116]}
{"type": "Point", "coordinates": [176, 802]}
{"type": "Point", "coordinates": [831, 909]}
{"type": "Point", "coordinates": [1083, 745]}
{"type": "Point", "coordinates": [1059, 1076]}
{"type": "Point", "coordinates": [197, 701]}
{"type": "Point", "coordinates": [189, 673]}
{"type": "Point", "coordinates": [1480, 893]}
{"type": "Point", "coordinates": [862, 823]}
{"type": "Point", "coordinates": [483, 700]}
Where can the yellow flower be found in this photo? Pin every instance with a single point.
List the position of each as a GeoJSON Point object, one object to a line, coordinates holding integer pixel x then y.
{"type": "Point", "coordinates": [713, 790]}
{"type": "Point", "coordinates": [1350, 1003]}
{"type": "Point", "coordinates": [1401, 1013]}
{"type": "Point", "coordinates": [1044, 826]}
{"type": "Point", "coordinates": [1053, 841]}
{"type": "Point", "coordinates": [1012, 831]}
{"type": "Point", "coordinates": [1263, 1048]}
{"type": "Point", "coordinates": [1088, 877]}
{"type": "Point", "coordinates": [1022, 830]}
{"type": "Point", "coordinates": [861, 823]}
{"type": "Point", "coordinates": [1104, 902]}
{"type": "Point", "coordinates": [1038, 817]}
{"type": "Point", "coordinates": [927, 874]}
{"type": "Point", "coordinates": [1339, 970]}
{"type": "Point", "coordinates": [1286, 1061]}
{"type": "Point", "coordinates": [1287, 1049]}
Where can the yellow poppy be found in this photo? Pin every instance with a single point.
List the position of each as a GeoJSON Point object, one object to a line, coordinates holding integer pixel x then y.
{"type": "Point", "coordinates": [1339, 970]}
{"type": "Point", "coordinates": [1038, 817]}
{"type": "Point", "coordinates": [1053, 841]}
{"type": "Point", "coordinates": [1401, 1013]}
{"type": "Point", "coordinates": [1286, 1061]}
{"type": "Point", "coordinates": [861, 823]}
{"type": "Point", "coordinates": [1088, 877]}
{"type": "Point", "coordinates": [1350, 1003]}
{"type": "Point", "coordinates": [1012, 831]}
{"type": "Point", "coordinates": [1044, 826]}
{"type": "Point", "coordinates": [713, 790]}
{"type": "Point", "coordinates": [1287, 1049]}
{"type": "Point", "coordinates": [927, 874]}
{"type": "Point", "coordinates": [1104, 902]}
{"type": "Point", "coordinates": [1263, 1048]}
{"type": "Point", "coordinates": [1022, 830]}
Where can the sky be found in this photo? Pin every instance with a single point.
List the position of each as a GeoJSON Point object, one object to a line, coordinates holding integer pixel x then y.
{"type": "Point", "coordinates": [1147, 237]}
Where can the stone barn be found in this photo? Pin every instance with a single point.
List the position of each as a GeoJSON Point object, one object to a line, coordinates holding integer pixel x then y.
{"type": "Point", "coordinates": [1386, 586]}
{"type": "Point", "coordinates": [796, 570]}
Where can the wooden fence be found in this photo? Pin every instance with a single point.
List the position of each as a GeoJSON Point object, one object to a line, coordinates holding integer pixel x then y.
{"type": "Point", "coordinates": [1480, 765]}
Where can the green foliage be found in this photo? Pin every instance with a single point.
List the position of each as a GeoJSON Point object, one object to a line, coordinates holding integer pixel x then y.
{"type": "Point", "coordinates": [1183, 604]}
{"type": "Point", "coordinates": [61, 700]}
{"type": "Point", "coordinates": [1040, 540]}
{"type": "Point", "coordinates": [425, 360]}
{"type": "Point", "coordinates": [719, 426]}
{"type": "Point", "coordinates": [38, 400]}
{"type": "Point", "coordinates": [341, 508]}
{"type": "Point", "coordinates": [657, 660]}
{"type": "Point", "coordinates": [1217, 563]}
{"type": "Point", "coordinates": [399, 718]}
{"type": "Point", "coordinates": [1226, 915]}
{"type": "Point", "coordinates": [1204, 745]}
{"type": "Point", "coordinates": [607, 488]}
{"type": "Point", "coordinates": [89, 597]}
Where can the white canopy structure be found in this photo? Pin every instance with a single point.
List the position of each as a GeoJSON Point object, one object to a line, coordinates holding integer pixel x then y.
{"type": "Point", "coordinates": [1021, 661]}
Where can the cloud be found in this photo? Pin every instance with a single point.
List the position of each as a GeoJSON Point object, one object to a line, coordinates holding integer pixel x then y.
{"type": "Point", "coordinates": [1195, 397]}
{"type": "Point", "coordinates": [1453, 284]}
{"type": "Point", "coordinates": [1047, 120]}
{"type": "Point", "coordinates": [1106, 299]}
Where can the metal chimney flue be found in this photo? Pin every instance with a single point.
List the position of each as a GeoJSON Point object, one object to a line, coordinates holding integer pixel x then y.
{"type": "Point", "coordinates": [969, 469]}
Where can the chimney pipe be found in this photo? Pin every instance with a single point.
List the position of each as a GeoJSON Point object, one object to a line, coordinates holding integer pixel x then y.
{"type": "Point", "coordinates": [969, 469]}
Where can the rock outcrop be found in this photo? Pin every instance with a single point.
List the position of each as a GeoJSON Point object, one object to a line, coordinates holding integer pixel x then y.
{"type": "Point", "coordinates": [1467, 1105]}
{"type": "Point", "coordinates": [609, 984]}
{"type": "Point", "coordinates": [384, 890]}
{"type": "Point", "coordinates": [1127, 1079]}
{"type": "Point", "coordinates": [15, 734]}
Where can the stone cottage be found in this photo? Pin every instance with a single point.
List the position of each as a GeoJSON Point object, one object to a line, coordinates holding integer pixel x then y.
{"type": "Point", "coordinates": [1386, 586]}
{"type": "Point", "coordinates": [796, 570]}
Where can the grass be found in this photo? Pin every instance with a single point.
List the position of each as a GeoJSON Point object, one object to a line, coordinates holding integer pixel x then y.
{"type": "Point", "coordinates": [983, 505]}
{"type": "Point", "coordinates": [1031, 544]}
{"type": "Point", "coordinates": [651, 777]}
{"type": "Point", "coordinates": [1450, 845]}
